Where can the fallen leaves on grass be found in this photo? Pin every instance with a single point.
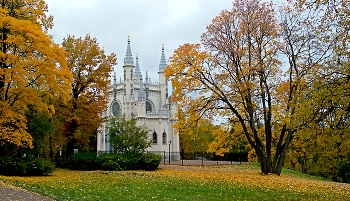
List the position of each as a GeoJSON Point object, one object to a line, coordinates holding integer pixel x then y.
{"type": "Point", "coordinates": [252, 178]}
{"type": "Point", "coordinates": [180, 183]}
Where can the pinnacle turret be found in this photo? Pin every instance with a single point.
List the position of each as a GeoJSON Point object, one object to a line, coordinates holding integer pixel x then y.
{"type": "Point", "coordinates": [115, 86]}
{"type": "Point", "coordinates": [162, 64]}
{"type": "Point", "coordinates": [128, 56]}
{"type": "Point", "coordinates": [114, 79]}
{"type": "Point", "coordinates": [142, 94]}
{"type": "Point", "coordinates": [137, 73]}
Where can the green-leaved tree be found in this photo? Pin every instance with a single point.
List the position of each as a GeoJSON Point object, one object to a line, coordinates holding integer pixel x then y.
{"type": "Point", "coordinates": [127, 137]}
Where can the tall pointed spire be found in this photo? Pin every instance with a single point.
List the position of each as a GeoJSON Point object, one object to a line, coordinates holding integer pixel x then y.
{"type": "Point", "coordinates": [137, 73]}
{"type": "Point", "coordinates": [128, 56]}
{"type": "Point", "coordinates": [162, 64]}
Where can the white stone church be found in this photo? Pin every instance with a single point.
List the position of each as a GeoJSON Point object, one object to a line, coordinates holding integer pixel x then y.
{"type": "Point", "coordinates": [145, 101]}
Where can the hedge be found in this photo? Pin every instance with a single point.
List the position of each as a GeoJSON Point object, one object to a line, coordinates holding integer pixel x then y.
{"type": "Point", "coordinates": [25, 166]}
{"type": "Point", "coordinates": [90, 161]}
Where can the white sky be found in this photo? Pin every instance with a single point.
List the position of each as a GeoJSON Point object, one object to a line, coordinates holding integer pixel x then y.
{"type": "Point", "coordinates": [150, 23]}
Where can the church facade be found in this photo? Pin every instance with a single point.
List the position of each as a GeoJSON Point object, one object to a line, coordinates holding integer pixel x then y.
{"type": "Point", "coordinates": [145, 101]}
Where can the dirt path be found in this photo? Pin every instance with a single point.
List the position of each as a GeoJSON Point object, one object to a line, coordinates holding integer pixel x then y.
{"type": "Point", "coordinates": [9, 192]}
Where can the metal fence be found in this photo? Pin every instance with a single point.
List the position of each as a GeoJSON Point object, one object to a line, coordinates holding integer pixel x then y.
{"type": "Point", "coordinates": [200, 158]}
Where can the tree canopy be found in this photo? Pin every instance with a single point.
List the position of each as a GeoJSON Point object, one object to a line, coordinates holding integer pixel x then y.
{"type": "Point", "coordinates": [33, 70]}
{"type": "Point", "coordinates": [127, 137]}
{"type": "Point", "coordinates": [240, 72]}
{"type": "Point", "coordinates": [91, 67]}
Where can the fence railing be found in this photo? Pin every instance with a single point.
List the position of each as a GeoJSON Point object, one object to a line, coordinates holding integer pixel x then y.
{"type": "Point", "coordinates": [200, 158]}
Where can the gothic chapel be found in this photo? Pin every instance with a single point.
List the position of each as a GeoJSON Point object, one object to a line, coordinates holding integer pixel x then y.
{"type": "Point", "coordinates": [145, 101]}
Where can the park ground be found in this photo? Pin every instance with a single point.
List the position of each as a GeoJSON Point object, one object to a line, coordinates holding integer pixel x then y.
{"type": "Point", "coordinates": [176, 182]}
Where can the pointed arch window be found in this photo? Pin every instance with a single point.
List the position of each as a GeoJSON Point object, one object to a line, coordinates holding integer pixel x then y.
{"type": "Point", "coordinates": [149, 106]}
{"type": "Point", "coordinates": [116, 108]}
{"type": "Point", "coordinates": [164, 137]}
{"type": "Point", "coordinates": [154, 138]}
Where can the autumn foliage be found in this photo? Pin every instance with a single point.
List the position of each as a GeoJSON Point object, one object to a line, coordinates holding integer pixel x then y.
{"type": "Point", "coordinates": [278, 77]}
{"type": "Point", "coordinates": [33, 70]}
{"type": "Point", "coordinates": [81, 117]}
{"type": "Point", "coordinates": [62, 89]}
{"type": "Point", "coordinates": [273, 79]}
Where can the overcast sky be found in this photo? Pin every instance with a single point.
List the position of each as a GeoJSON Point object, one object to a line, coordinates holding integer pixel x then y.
{"type": "Point", "coordinates": [150, 23]}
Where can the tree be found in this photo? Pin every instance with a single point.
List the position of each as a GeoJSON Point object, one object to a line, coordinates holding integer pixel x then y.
{"type": "Point", "coordinates": [33, 71]}
{"type": "Point", "coordinates": [195, 134]}
{"type": "Point", "coordinates": [344, 170]}
{"type": "Point", "coordinates": [228, 138]}
{"type": "Point", "coordinates": [127, 137]}
{"type": "Point", "coordinates": [240, 73]}
{"type": "Point", "coordinates": [91, 68]}
{"type": "Point", "coordinates": [318, 52]}
{"type": "Point", "coordinates": [41, 127]}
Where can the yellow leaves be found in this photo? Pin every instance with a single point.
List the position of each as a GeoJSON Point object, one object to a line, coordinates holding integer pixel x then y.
{"type": "Point", "coordinates": [88, 63]}
{"type": "Point", "coordinates": [185, 68]}
{"type": "Point", "coordinates": [225, 182]}
{"type": "Point", "coordinates": [195, 133]}
{"type": "Point", "coordinates": [33, 69]}
{"type": "Point", "coordinates": [13, 128]}
{"type": "Point", "coordinates": [222, 142]}
{"type": "Point", "coordinates": [90, 69]}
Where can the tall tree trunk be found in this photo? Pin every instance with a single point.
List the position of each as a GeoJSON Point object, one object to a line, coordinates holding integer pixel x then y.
{"type": "Point", "coordinates": [72, 127]}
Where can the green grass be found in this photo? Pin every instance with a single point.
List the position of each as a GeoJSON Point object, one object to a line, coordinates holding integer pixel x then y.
{"type": "Point", "coordinates": [238, 182]}
{"type": "Point", "coordinates": [288, 172]}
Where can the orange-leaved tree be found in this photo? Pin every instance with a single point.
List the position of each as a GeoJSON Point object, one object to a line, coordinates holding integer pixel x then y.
{"type": "Point", "coordinates": [228, 138]}
{"type": "Point", "coordinates": [195, 133]}
{"type": "Point", "coordinates": [316, 36]}
{"type": "Point", "coordinates": [323, 145]}
{"type": "Point", "coordinates": [237, 74]}
{"type": "Point", "coordinates": [33, 71]}
{"type": "Point", "coordinates": [91, 68]}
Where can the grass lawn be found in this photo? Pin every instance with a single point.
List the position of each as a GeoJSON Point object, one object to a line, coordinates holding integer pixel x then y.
{"type": "Point", "coordinates": [236, 182]}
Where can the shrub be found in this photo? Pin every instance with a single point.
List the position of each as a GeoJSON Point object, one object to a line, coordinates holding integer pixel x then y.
{"type": "Point", "coordinates": [116, 161]}
{"type": "Point", "coordinates": [151, 161]}
{"type": "Point", "coordinates": [13, 166]}
{"type": "Point", "coordinates": [111, 165]}
{"type": "Point", "coordinates": [25, 166]}
{"type": "Point", "coordinates": [40, 167]}
{"type": "Point", "coordinates": [108, 162]}
{"type": "Point", "coordinates": [344, 170]}
{"type": "Point", "coordinates": [83, 161]}
{"type": "Point", "coordinates": [131, 161]}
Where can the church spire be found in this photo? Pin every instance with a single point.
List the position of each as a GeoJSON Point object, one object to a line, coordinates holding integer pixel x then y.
{"type": "Point", "coordinates": [128, 56]}
{"type": "Point", "coordinates": [162, 64]}
{"type": "Point", "coordinates": [137, 73]}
